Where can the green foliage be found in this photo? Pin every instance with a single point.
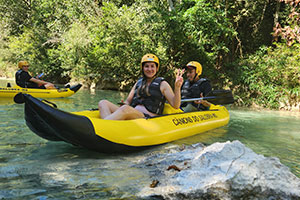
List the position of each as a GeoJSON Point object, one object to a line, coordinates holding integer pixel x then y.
{"type": "Point", "coordinates": [15, 14]}
{"type": "Point", "coordinates": [119, 43]}
{"type": "Point", "coordinates": [252, 20]}
{"type": "Point", "coordinates": [4, 33]}
{"type": "Point", "coordinates": [211, 34]}
{"type": "Point", "coordinates": [102, 42]}
{"type": "Point", "coordinates": [39, 41]}
{"type": "Point", "coordinates": [270, 78]}
{"type": "Point", "coordinates": [194, 30]}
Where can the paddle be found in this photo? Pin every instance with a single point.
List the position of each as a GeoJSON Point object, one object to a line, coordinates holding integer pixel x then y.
{"type": "Point", "coordinates": [217, 97]}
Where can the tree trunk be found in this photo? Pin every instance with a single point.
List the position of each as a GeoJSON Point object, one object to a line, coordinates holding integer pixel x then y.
{"type": "Point", "coordinates": [276, 15]}
{"type": "Point", "coordinates": [171, 5]}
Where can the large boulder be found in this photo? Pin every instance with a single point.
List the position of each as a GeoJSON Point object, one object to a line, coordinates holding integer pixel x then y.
{"type": "Point", "coordinates": [220, 171]}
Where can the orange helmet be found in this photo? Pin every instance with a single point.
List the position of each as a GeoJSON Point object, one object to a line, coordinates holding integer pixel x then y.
{"type": "Point", "coordinates": [22, 63]}
{"type": "Point", "coordinates": [150, 58]}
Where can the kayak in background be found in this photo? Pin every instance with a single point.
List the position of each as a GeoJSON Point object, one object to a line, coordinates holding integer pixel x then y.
{"type": "Point", "coordinates": [10, 92]}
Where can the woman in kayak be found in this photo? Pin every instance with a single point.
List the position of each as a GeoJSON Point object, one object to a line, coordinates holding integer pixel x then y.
{"type": "Point", "coordinates": [148, 95]}
{"type": "Point", "coordinates": [23, 78]}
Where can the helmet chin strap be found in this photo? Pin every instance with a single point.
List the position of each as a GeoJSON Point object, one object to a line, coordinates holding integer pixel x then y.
{"type": "Point", "coordinates": [194, 78]}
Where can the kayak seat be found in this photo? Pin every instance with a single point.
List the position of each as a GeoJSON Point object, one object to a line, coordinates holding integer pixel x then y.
{"type": "Point", "coordinates": [8, 85]}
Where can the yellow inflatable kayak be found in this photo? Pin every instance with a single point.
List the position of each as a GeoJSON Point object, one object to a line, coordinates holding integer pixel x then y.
{"type": "Point", "coordinates": [86, 129]}
{"type": "Point", "coordinates": [10, 92]}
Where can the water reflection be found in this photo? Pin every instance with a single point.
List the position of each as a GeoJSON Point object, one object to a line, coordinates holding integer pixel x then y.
{"type": "Point", "coordinates": [6, 101]}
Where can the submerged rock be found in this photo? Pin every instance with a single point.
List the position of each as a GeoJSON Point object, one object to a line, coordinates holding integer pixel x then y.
{"type": "Point", "coordinates": [220, 171]}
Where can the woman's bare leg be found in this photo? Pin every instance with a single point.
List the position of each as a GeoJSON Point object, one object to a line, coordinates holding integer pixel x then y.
{"type": "Point", "coordinates": [106, 108]}
{"type": "Point", "coordinates": [125, 112]}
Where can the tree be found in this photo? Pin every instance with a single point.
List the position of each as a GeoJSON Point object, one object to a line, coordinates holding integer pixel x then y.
{"type": "Point", "coordinates": [291, 31]}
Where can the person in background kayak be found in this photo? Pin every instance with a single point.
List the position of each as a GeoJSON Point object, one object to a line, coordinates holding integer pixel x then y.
{"type": "Point", "coordinates": [23, 78]}
{"type": "Point", "coordinates": [147, 97]}
{"type": "Point", "coordinates": [195, 87]}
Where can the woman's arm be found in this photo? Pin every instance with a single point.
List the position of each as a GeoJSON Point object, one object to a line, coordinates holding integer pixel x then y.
{"type": "Point", "coordinates": [130, 95]}
{"type": "Point", "coordinates": [174, 98]}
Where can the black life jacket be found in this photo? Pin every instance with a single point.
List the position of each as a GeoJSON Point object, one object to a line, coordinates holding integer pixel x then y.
{"type": "Point", "coordinates": [17, 77]}
{"type": "Point", "coordinates": [154, 101]}
{"type": "Point", "coordinates": [192, 91]}
{"type": "Point", "coordinates": [189, 90]}
{"type": "Point", "coordinates": [23, 83]}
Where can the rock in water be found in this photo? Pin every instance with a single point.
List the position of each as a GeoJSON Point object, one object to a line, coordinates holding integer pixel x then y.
{"type": "Point", "coordinates": [220, 171]}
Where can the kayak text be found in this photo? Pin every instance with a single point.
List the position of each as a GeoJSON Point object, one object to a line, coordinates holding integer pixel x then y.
{"type": "Point", "coordinates": [193, 119]}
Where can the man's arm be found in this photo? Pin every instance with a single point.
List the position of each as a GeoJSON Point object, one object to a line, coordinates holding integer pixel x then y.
{"type": "Point", "coordinates": [38, 81]}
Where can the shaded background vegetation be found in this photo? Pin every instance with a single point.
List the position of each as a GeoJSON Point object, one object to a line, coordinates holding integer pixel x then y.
{"type": "Point", "coordinates": [240, 43]}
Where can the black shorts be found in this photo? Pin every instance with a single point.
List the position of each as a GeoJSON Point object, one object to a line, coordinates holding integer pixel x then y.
{"type": "Point", "coordinates": [39, 87]}
{"type": "Point", "coordinates": [36, 86]}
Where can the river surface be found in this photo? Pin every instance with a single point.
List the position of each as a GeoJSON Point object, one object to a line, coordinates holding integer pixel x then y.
{"type": "Point", "coordinates": [34, 168]}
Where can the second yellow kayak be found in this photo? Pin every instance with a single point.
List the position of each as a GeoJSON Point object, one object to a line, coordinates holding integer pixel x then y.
{"type": "Point", "coordinates": [10, 92]}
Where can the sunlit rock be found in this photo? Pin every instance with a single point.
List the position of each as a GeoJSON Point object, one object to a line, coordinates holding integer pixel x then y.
{"type": "Point", "coordinates": [220, 171]}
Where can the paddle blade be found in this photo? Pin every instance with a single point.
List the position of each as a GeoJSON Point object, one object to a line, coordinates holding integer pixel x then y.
{"type": "Point", "coordinates": [220, 97]}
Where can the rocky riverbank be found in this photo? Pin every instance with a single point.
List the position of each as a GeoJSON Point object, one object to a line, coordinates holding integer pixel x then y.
{"type": "Point", "coordinates": [220, 171]}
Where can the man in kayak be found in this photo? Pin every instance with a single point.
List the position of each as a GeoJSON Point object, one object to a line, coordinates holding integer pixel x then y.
{"type": "Point", "coordinates": [195, 87]}
{"type": "Point", "coordinates": [23, 78]}
{"type": "Point", "coordinates": [147, 97]}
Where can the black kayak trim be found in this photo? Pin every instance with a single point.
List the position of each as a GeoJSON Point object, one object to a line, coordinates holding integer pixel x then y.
{"type": "Point", "coordinates": [56, 125]}
{"type": "Point", "coordinates": [75, 88]}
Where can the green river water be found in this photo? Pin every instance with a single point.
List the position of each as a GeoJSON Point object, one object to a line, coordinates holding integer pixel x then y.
{"type": "Point", "coordinates": [34, 168]}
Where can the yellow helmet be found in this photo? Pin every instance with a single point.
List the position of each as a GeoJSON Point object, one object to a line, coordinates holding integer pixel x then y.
{"type": "Point", "coordinates": [150, 58]}
{"type": "Point", "coordinates": [196, 65]}
{"type": "Point", "coordinates": [22, 63]}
